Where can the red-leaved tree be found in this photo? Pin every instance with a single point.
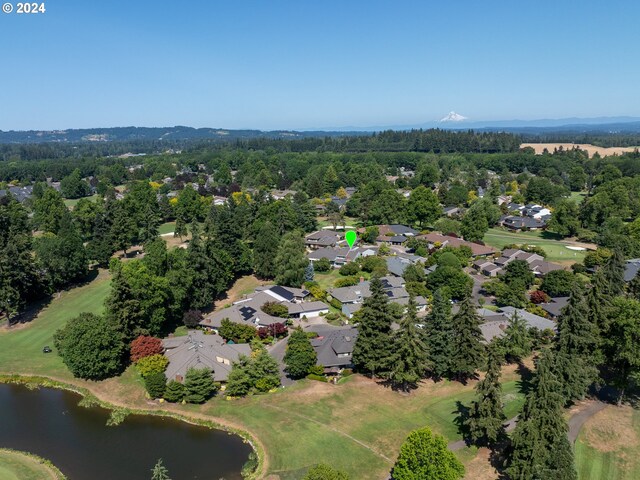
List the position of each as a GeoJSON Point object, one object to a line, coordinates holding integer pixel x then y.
{"type": "Point", "coordinates": [145, 346]}
{"type": "Point", "coordinates": [274, 330]}
{"type": "Point", "coordinates": [539, 296]}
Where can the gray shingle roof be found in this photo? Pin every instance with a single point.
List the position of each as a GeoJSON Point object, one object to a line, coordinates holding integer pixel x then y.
{"type": "Point", "coordinates": [335, 346]}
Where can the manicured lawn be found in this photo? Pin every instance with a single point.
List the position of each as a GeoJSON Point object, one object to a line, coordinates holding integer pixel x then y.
{"type": "Point", "coordinates": [21, 346]}
{"type": "Point", "coordinates": [168, 227]}
{"type": "Point", "coordinates": [357, 426]}
{"type": "Point", "coordinates": [577, 196]}
{"type": "Point", "coordinates": [607, 447]}
{"type": "Point", "coordinates": [327, 279]}
{"type": "Point", "coordinates": [71, 202]}
{"type": "Point", "coordinates": [348, 221]}
{"type": "Point", "coordinates": [17, 466]}
{"type": "Point", "coordinates": [556, 248]}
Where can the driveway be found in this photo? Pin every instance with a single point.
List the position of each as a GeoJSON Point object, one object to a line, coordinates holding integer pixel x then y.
{"type": "Point", "coordinates": [277, 351]}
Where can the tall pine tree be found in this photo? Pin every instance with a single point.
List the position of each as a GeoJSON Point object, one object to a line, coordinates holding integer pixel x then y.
{"type": "Point", "coordinates": [265, 249]}
{"type": "Point", "coordinates": [576, 347]}
{"type": "Point", "coordinates": [541, 448]}
{"type": "Point", "coordinates": [409, 358]}
{"type": "Point", "coordinates": [290, 262]}
{"type": "Point", "coordinates": [468, 350]}
{"type": "Point", "coordinates": [486, 418]}
{"type": "Point", "coordinates": [439, 338]}
{"type": "Point", "coordinates": [372, 348]}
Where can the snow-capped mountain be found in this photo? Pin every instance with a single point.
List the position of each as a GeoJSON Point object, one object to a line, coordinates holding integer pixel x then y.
{"type": "Point", "coordinates": [453, 117]}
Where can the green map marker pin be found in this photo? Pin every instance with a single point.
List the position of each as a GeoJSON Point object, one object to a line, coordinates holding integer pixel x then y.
{"type": "Point", "coordinates": [351, 237]}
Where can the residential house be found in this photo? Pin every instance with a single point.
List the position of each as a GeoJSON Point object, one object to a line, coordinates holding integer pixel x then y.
{"type": "Point", "coordinates": [337, 256]}
{"type": "Point", "coordinates": [538, 265]}
{"type": "Point", "coordinates": [437, 240]}
{"type": "Point", "coordinates": [495, 323]}
{"type": "Point", "coordinates": [452, 211]}
{"type": "Point", "coordinates": [324, 238]}
{"type": "Point", "coordinates": [555, 306]}
{"type": "Point", "coordinates": [631, 269]}
{"type": "Point", "coordinates": [21, 194]}
{"type": "Point", "coordinates": [334, 347]}
{"type": "Point", "coordinates": [280, 194]}
{"type": "Point", "coordinates": [197, 350]}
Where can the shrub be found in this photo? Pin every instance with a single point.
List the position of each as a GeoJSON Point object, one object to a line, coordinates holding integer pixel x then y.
{"type": "Point", "coordinates": [236, 332]}
{"type": "Point", "coordinates": [335, 303]}
{"type": "Point", "coordinates": [192, 318]}
{"type": "Point", "coordinates": [152, 364]}
{"type": "Point", "coordinates": [275, 309]}
{"type": "Point", "coordinates": [199, 385]}
{"type": "Point", "coordinates": [351, 268]}
{"type": "Point", "coordinates": [346, 372]}
{"type": "Point", "coordinates": [145, 346]}
{"type": "Point", "coordinates": [174, 392]}
{"type": "Point", "coordinates": [276, 330]}
{"type": "Point", "coordinates": [316, 370]}
{"type": "Point", "coordinates": [558, 283]}
{"type": "Point", "coordinates": [319, 378]}
{"type": "Point", "coordinates": [322, 265]}
{"type": "Point", "coordinates": [346, 282]}
{"type": "Point", "coordinates": [323, 471]}
{"type": "Point", "coordinates": [155, 384]}
{"type": "Point", "coordinates": [372, 262]}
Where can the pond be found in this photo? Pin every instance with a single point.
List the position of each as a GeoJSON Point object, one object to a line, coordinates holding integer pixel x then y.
{"type": "Point", "coordinates": [50, 423]}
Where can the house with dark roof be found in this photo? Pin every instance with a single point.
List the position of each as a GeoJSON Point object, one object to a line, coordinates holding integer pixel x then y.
{"type": "Point", "coordinates": [396, 230]}
{"type": "Point", "coordinates": [437, 240]}
{"type": "Point", "coordinates": [495, 323]}
{"type": "Point", "coordinates": [338, 256]}
{"type": "Point", "coordinates": [307, 309]}
{"type": "Point", "coordinates": [324, 238]}
{"type": "Point", "coordinates": [555, 306]}
{"type": "Point", "coordinates": [524, 223]}
{"type": "Point", "coordinates": [334, 346]}
{"type": "Point", "coordinates": [631, 269]}
{"type": "Point", "coordinates": [197, 350]}
{"type": "Point", "coordinates": [21, 194]}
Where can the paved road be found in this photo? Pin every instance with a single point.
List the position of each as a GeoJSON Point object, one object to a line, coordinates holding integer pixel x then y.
{"type": "Point", "coordinates": [576, 422]}
{"type": "Point", "coordinates": [277, 351]}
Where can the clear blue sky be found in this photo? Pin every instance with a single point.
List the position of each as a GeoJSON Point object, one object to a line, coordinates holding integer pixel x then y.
{"type": "Point", "coordinates": [325, 63]}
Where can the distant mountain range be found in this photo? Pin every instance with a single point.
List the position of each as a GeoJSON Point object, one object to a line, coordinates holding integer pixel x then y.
{"type": "Point", "coordinates": [452, 121]}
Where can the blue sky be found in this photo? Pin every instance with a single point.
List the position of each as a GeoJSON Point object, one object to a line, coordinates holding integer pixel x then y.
{"type": "Point", "coordinates": [325, 63]}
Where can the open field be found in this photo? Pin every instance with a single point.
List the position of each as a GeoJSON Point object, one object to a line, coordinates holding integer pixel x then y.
{"type": "Point", "coordinates": [591, 149]}
{"type": "Point", "coordinates": [166, 228]}
{"type": "Point", "coordinates": [18, 466]}
{"type": "Point", "coordinates": [556, 248]}
{"type": "Point", "coordinates": [607, 447]}
{"type": "Point", "coordinates": [357, 425]}
{"type": "Point", "coordinates": [72, 202]}
{"type": "Point", "coordinates": [577, 197]}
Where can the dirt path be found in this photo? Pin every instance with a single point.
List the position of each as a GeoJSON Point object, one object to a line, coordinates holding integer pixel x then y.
{"type": "Point", "coordinates": [576, 421]}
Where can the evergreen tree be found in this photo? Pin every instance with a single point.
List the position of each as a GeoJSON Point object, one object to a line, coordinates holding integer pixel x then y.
{"type": "Point", "coordinates": [486, 418]}
{"type": "Point", "coordinates": [48, 211]}
{"type": "Point", "coordinates": [516, 343]}
{"type": "Point", "coordinates": [309, 273]}
{"type": "Point", "coordinates": [576, 347]}
{"type": "Point", "coordinates": [439, 336]}
{"type": "Point", "coordinates": [265, 249]}
{"type": "Point", "coordinates": [290, 262]}
{"type": "Point", "coordinates": [174, 391]}
{"type": "Point", "coordinates": [468, 350]}
{"type": "Point", "coordinates": [408, 361]}
{"type": "Point", "coordinates": [101, 246]}
{"type": "Point", "coordinates": [160, 472]}
{"type": "Point", "coordinates": [613, 272]}
{"type": "Point", "coordinates": [198, 385]}
{"type": "Point", "coordinates": [541, 448]}
{"type": "Point", "coordinates": [123, 227]}
{"type": "Point", "coordinates": [300, 355]}
{"type": "Point", "coordinates": [423, 456]}
{"type": "Point", "coordinates": [155, 384]}
{"type": "Point", "coordinates": [372, 348]}
{"type": "Point", "coordinates": [633, 287]}
{"type": "Point", "coordinates": [73, 186]}
{"type": "Point", "coordinates": [265, 371]}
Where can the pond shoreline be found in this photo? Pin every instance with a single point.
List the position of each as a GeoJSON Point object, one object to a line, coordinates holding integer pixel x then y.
{"type": "Point", "coordinates": [90, 399]}
{"type": "Point", "coordinates": [47, 464]}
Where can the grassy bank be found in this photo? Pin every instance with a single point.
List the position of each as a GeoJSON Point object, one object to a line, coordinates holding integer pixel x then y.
{"type": "Point", "coordinates": [357, 426]}
{"type": "Point", "coordinates": [16, 465]}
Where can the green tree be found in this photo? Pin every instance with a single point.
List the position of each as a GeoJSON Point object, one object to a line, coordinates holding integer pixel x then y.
{"type": "Point", "coordinates": [565, 219]}
{"type": "Point", "coordinates": [424, 455]}
{"type": "Point", "coordinates": [290, 261]}
{"type": "Point", "coordinates": [160, 472]}
{"type": "Point", "coordinates": [155, 384]}
{"type": "Point", "coordinates": [576, 348]}
{"type": "Point", "coordinates": [468, 350]}
{"type": "Point", "coordinates": [62, 257]}
{"type": "Point", "coordinates": [265, 249]}
{"type": "Point", "coordinates": [123, 227]}
{"type": "Point", "coordinates": [300, 355]}
{"type": "Point", "coordinates": [73, 186]}
{"type": "Point", "coordinates": [198, 385]}
{"type": "Point", "coordinates": [409, 351]}
{"type": "Point", "coordinates": [371, 350]}
{"type": "Point", "coordinates": [91, 347]}
{"type": "Point", "coordinates": [85, 214]}
{"type": "Point", "coordinates": [48, 211]}
{"type": "Point", "coordinates": [518, 271]}
{"type": "Point", "coordinates": [486, 416]}
{"type": "Point", "coordinates": [323, 471]}
{"type": "Point", "coordinates": [152, 364]}
{"type": "Point", "coordinates": [370, 234]}
{"type": "Point", "coordinates": [156, 257]}
{"type": "Point", "coordinates": [516, 343]}
{"type": "Point", "coordinates": [558, 283]}
{"type": "Point", "coordinates": [621, 343]}
{"type": "Point", "coordinates": [541, 448]}
{"type": "Point", "coordinates": [440, 336]}
{"type": "Point", "coordinates": [423, 206]}
{"type": "Point", "coordinates": [174, 391]}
